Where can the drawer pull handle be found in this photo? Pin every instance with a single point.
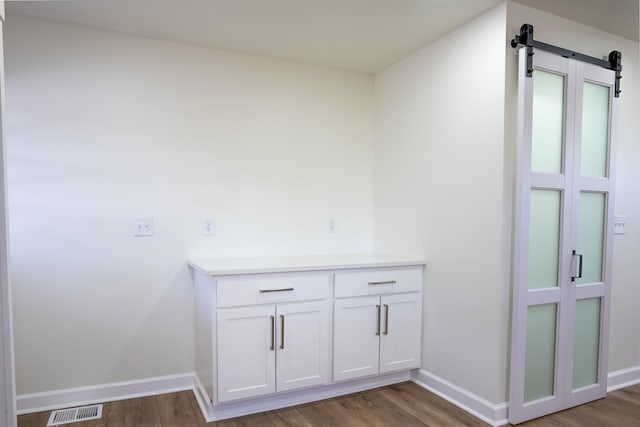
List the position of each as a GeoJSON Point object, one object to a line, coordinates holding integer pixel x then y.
{"type": "Point", "coordinates": [265, 291]}
{"type": "Point", "coordinates": [282, 332]}
{"type": "Point", "coordinates": [386, 319]}
{"type": "Point", "coordinates": [273, 333]}
{"type": "Point", "coordinates": [386, 282]}
{"type": "Point", "coordinates": [377, 319]}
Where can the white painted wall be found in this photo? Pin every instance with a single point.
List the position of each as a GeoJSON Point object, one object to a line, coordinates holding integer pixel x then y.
{"type": "Point", "coordinates": [439, 193]}
{"type": "Point", "coordinates": [103, 128]}
{"type": "Point", "coordinates": [443, 188]}
{"type": "Point", "coordinates": [624, 345]}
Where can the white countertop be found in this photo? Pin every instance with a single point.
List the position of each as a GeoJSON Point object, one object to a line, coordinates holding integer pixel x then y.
{"type": "Point", "coordinates": [230, 266]}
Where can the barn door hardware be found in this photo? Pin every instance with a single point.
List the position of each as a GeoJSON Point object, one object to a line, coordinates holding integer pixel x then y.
{"type": "Point", "coordinates": [613, 62]}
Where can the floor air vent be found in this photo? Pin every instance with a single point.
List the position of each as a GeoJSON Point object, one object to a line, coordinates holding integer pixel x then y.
{"type": "Point", "coordinates": [71, 415]}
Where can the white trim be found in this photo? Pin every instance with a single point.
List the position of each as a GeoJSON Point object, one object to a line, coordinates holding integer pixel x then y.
{"type": "Point", "coordinates": [201, 397]}
{"type": "Point", "coordinates": [7, 358]}
{"type": "Point", "coordinates": [79, 396]}
{"type": "Point", "coordinates": [199, 388]}
{"type": "Point", "coordinates": [491, 413]}
{"type": "Point", "coordinates": [282, 400]}
{"type": "Point", "coordinates": [623, 378]}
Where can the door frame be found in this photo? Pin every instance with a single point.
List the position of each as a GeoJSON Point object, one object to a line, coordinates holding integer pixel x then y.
{"type": "Point", "coordinates": [8, 413]}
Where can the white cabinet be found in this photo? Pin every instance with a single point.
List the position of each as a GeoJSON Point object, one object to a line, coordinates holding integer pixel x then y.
{"type": "Point", "coordinates": [272, 333]}
{"type": "Point", "coordinates": [246, 360]}
{"type": "Point", "coordinates": [400, 340]}
{"type": "Point", "coordinates": [272, 348]}
{"type": "Point", "coordinates": [302, 353]}
{"type": "Point", "coordinates": [377, 334]}
{"type": "Point", "coordinates": [266, 334]}
{"type": "Point", "coordinates": [356, 343]}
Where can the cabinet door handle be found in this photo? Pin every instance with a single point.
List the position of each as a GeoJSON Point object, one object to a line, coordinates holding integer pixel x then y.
{"type": "Point", "coordinates": [385, 282]}
{"type": "Point", "coordinates": [282, 332]}
{"type": "Point", "coordinates": [386, 319]}
{"type": "Point", "coordinates": [273, 333]}
{"type": "Point", "coordinates": [378, 319]}
{"type": "Point", "coordinates": [264, 291]}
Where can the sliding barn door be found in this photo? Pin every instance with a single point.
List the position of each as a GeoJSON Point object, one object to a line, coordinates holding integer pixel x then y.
{"type": "Point", "coordinates": [563, 236]}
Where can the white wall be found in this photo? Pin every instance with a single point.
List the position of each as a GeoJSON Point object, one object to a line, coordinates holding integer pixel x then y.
{"type": "Point", "coordinates": [624, 345]}
{"type": "Point", "coordinates": [443, 188]}
{"type": "Point", "coordinates": [103, 128]}
{"type": "Point", "coordinates": [438, 193]}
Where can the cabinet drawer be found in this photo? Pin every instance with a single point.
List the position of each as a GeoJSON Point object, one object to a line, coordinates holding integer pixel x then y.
{"type": "Point", "coordinates": [375, 282]}
{"type": "Point", "coordinates": [271, 288]}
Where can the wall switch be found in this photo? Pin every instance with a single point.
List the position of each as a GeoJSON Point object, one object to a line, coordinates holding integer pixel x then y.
{"type": "Point", "coordinates": [332, 225]}
{"type": "Point", "coordinates": [143, 227]}
{"type": "Point", "coordinates": [620, 224]}
{"type": "Point", "coordinates": [208, 227]}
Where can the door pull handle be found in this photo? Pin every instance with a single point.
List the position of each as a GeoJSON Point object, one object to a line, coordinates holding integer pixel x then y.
{"type": "Point", "coordinates": [579, 266]}
{"type": "Point", "coordinates": [273, 333]}
{"type": "Point", "coordinates": [378, 319]}
{"type": "Point", "coordinates": [386, 320]}
{"type": "Point", "coordinates": [282, 332]}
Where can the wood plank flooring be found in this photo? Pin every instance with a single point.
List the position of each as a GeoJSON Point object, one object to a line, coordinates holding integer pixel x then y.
{"type": "Point", "coordinates": [404, 404]}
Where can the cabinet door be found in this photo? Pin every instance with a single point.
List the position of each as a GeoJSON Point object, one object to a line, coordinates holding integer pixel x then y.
{"type": "Point", "coordinates": [246, 352]}
{"type": "Point", "coordinates": [356, 337]}
{"type": "Point", "coordinates": [400, 338]}
{"type": "Point", "coordinates": [303, 345]}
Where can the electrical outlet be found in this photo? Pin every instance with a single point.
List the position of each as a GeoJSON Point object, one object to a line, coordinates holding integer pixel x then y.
{"type": "Point", "coordinates": [620, 224]}
{"type": "Point", "coordinates": [208, 227]}
{"type": "Point", "coordinates": [332, 225]}
{"type": "Point", "coordinates": [143, 227]}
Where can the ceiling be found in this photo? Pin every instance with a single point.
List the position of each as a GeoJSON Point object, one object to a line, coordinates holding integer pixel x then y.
{"type": "Point", "coordinates": [619, 17]}
{"type": "Point", "coordinates": [359, 35]}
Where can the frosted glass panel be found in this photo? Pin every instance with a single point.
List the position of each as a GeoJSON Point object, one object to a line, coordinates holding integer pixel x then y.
{"type": "Point", "coordinates": [595, 130]}
{"type": "Point", "coordinates": [541, 349]}
{"type": "Point", "coordinates": [544, 238]}
{"type": "Point", "coordinates": [591, 236]}
{"type": "Point", "coordinates": [586, 342]}
{"type": "Point", "coordinates": [547, 122]}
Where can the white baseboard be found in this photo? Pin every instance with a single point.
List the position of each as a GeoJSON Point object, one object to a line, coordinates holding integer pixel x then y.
{"type": "Point", "coordinates": [57, 399]}
{"type": "Point", "coordinates": [491, 413]}
{"type": "Point", "coordinates": [202, 397]}
{"type": "Point", "coordinates": [281, 400]}
{"type": "Point", "coordinates": [497, 414]}
{"type": "Point", "coordinates": [623, 378]}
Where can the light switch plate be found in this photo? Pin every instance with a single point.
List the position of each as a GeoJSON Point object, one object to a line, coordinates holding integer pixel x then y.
{"type": "Point", "coordinates": [620, 224]}
{"type": "Point", "coordinates": [143, 227]}
{"type": "Point", "coordinates": [208, 227]}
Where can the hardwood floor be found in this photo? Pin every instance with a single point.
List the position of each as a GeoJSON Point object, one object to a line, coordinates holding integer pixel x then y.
{"type": "Point", "coordinates": [403, 404]}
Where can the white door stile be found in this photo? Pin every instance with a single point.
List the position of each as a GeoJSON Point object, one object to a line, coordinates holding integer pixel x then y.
{"type": "Point", "coordinates": [521, 216]}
